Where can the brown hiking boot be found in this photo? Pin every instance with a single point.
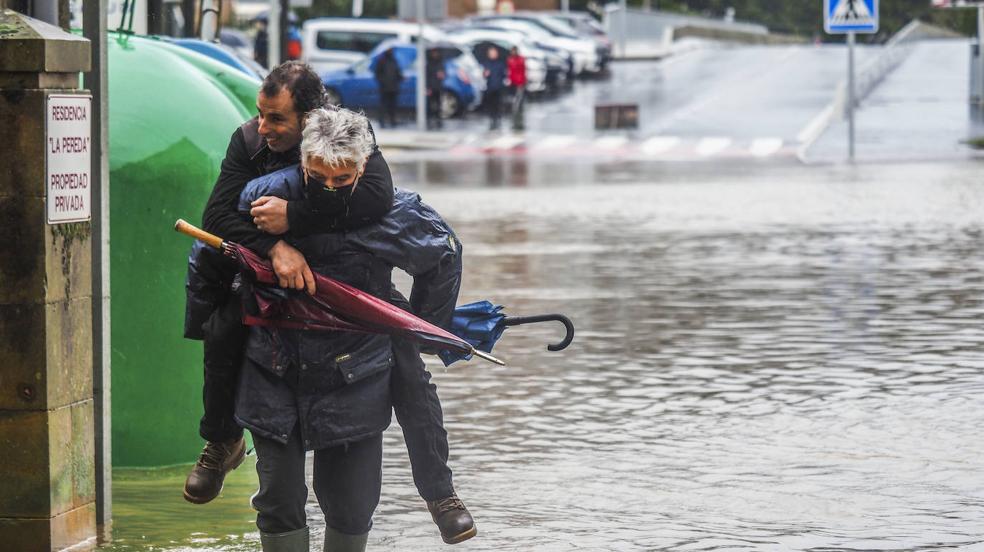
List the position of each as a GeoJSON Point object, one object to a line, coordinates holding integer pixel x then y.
{"type": "Point", "coordinates": [453, 519]}
{"type": "Point", "coordinates": [205, 480]}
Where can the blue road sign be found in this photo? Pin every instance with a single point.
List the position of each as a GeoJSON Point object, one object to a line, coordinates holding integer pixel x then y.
{"type": "Point", "coordinates": [850, 16]}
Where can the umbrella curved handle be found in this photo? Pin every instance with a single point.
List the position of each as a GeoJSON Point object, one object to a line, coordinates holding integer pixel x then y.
{"type": "Point", "coordinates": [568, 325]}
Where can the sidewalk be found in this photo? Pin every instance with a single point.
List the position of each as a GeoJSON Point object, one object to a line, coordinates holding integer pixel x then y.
{"type": "Point", "coordinates": [921, 111]}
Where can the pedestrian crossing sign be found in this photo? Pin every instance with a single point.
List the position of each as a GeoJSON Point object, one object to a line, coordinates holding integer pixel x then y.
{"type": "Point", "coordinates": [850, 16]}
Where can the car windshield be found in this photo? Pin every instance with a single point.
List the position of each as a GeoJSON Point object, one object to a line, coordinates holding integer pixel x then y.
{"type": "Point", "coordinates": [530, 29]}
{"type": "Point", "coordinates": [556, 27]}
{"type": "Point", "coordinates": [362, 66]}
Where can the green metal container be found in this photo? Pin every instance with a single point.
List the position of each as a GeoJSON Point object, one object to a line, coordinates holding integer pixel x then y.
{"type": "Point", "coordinates": [171, 113]}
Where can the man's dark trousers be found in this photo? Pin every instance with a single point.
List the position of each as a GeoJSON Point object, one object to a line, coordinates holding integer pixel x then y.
{"type": "Point", "coordinates": [493, 101]}
{"type": "Point", "coordinates": [388, 99]}
{"type": "Point", "coordinates": [415, 400]}
{"type": "Point", "coordinates": [224, 341]}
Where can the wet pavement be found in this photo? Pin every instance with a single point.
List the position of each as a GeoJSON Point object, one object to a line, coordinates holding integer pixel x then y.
{"type": "Point", "coordinates": [710, 102]}
{"type": "Point", "coordinates": [770, 357]}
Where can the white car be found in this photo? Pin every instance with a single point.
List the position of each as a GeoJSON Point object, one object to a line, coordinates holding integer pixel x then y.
{"type": "Point", "coordinates": [584, 52]}
{"type": "Point", "coordinates": [330, 43]}
{"type": "Point", "coordinates": [536, 66]}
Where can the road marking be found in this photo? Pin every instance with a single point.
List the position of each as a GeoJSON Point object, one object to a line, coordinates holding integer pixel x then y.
{"type": "Point", "coordinates": [506, 142]}
{"type": "Point", "coordinates": [555, 141]}
{"type": "Point", "coordinates": [710, 146]}
{"type": "Point", "coordinates": [611, 142]}
{"type": "Point", "coordinates": [659, 144]}
{"type": "Point", "coordinates": [764, 147]}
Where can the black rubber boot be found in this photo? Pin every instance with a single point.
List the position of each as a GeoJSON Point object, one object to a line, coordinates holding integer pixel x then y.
{"type": "Point", "coordinates": [340, 542]}
{"type": "Point", "coordinates": [298, 540]}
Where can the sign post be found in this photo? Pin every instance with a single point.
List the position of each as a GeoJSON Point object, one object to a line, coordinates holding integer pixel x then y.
{"type": "Point", "coordinates": [850, 17]}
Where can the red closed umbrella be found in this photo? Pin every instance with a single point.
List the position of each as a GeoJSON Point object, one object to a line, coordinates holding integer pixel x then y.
{"type": "Point", "coordinates": [334, 306]}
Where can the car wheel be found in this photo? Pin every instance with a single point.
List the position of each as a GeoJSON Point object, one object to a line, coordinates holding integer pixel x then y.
{"type": "Point", "coordinates": [333, 97]}
{"type": "Point", "coordinates": [450, 104]}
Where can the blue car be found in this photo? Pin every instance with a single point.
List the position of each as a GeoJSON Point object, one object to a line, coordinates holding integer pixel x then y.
{"type": "Point", "coordinates": [224, 54]}
{"type": "Point", "coordinates": [356, 87]}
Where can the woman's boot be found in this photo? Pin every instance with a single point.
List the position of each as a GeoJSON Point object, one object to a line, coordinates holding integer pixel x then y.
{"type": "Point", "coordinates": [298, 540]}
{"type": "Point", "coordinates": [340, 542]}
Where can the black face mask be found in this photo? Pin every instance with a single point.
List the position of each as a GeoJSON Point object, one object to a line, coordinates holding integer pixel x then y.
{"type": "Point", "coordinates": [333, 202]}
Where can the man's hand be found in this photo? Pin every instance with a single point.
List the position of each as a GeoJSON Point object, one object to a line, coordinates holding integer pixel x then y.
{"type": "Point", "coordinates": [270, 215]}
{"type": "Point", "coordinates": [291, 267]}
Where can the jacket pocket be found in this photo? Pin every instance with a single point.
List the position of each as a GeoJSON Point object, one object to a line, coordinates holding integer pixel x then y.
{"type": "Point", "coordinates": [370, 358]}
{"type": "Point", "coordinates": [264, 348]}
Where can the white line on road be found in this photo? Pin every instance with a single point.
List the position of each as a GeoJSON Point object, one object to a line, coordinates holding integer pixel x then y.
{"type": "Point", "coordinates": [764, 147]}
{"type": "Point", "coordinates": [506, 142]}
{"type": "Point", "coordinates": [554, 141]}
{"type": "Point", "coordinates": [611, 142]}
{"type": "Point", "coordinates": [710, 146]}
{"type": "Point", "coordinates": [659, 144]}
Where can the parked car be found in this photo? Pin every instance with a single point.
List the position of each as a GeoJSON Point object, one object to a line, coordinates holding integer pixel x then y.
{"type": "Point", "coordinates": [337, 42]}
{"type": "Point", "coordinates": [585, 25]}
{"type": "Point", "coordinates": [560, 62]}
{"type": "Point", "coordinates": [356, 86]}
{"type": "Point", "coordinates": [536, 62]}
{"type": "Point", "coordinates": [584, 52]}
{"type": "Point", "coordinates": [225, 54]}
{"type": "Point", "coordinates": [237, 40]}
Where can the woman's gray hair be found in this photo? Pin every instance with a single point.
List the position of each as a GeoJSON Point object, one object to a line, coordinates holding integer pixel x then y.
{"type": "Point", "coordinates": [337, 137]}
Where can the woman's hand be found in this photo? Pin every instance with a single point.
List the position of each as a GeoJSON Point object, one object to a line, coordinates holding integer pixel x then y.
{"type": "Point", "coordinates": [291, 268]}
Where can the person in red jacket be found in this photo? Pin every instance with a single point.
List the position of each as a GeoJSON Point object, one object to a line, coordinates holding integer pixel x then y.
{"type": "Point", "coordinates": [516, 70]}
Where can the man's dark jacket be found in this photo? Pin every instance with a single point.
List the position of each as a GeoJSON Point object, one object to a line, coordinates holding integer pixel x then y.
{"type": "Point", "coordinates": [434, 70]}
{"type": "Point", "coordinates": [249, 157]}
{"type": "Point", "coordinates": [388, 73]}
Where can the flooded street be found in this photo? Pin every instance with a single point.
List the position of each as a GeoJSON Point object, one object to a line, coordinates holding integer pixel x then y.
{"type": "Point", "coordinates": [777, 357]}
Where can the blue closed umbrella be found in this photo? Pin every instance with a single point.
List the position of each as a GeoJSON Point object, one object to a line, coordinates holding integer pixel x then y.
{"type": "Point", "coordinates": [481, 324]}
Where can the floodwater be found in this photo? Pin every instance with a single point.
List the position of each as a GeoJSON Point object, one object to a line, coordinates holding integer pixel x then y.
{"type": "Point", "coordinates": [767, 358]}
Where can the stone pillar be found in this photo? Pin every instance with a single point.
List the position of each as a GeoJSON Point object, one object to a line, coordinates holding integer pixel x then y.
{"type": "Point", "coordinates": [47, 472]}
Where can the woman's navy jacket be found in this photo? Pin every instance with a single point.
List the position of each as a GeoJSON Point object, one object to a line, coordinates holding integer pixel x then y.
{"type": "Point", "coordinates": [336, 384]}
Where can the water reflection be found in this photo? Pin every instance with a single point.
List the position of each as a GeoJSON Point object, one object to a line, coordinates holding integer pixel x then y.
{"type": "Point", "coordinates": [778, 360]}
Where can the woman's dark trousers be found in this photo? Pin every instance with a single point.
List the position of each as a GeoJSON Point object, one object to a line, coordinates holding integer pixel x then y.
{"type": "Point", "coordinates": [388, 99]}
{"type": "Point", "coordinates": [347, 480]}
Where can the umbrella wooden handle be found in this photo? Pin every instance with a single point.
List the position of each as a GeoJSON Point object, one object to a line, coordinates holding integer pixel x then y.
{"type": "Point", "coordinates": [191, 230]}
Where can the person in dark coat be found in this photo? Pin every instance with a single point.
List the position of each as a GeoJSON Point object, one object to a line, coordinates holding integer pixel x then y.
{"type": "Point", "coordinates": [260, 146]}
{"type": "Point", "coordinates": [389, 77]}
{"type": "Point", "coordinates": [328, 391]}
{"type": "Point", "coordinates": [495, 83]}
{"type": "Point", "coordinates": [434, 71]}
{"type": "Point", "coordinates": [261, 44]}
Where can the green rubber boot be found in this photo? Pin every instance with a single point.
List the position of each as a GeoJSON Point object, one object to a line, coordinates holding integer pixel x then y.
{"type": "Point", "coordinates": [340, 542]}
{"type": "Point", "coordinates": [298, 540]}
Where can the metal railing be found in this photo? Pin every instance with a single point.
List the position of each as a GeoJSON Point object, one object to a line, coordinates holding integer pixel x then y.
{"type": "Point", "coordinates": [877, 68]}
{"type": "Point", "coordinates": [636, 30]}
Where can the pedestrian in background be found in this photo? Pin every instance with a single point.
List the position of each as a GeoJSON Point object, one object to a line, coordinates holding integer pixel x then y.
{"type": "Point", "coordinates": [517, 81]}
{"type": "Point", "coordinates": [434, 71]}
{"type": "Point", "coordinates": [389, 77]}
{"type": "Point", "coordinates": [495, 83]}
{"type": "Point", "coordinates": [261, 43]}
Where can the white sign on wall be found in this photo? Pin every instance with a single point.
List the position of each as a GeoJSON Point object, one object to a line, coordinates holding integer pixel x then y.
{"type": "Point", "coordinates": [68, 158]}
